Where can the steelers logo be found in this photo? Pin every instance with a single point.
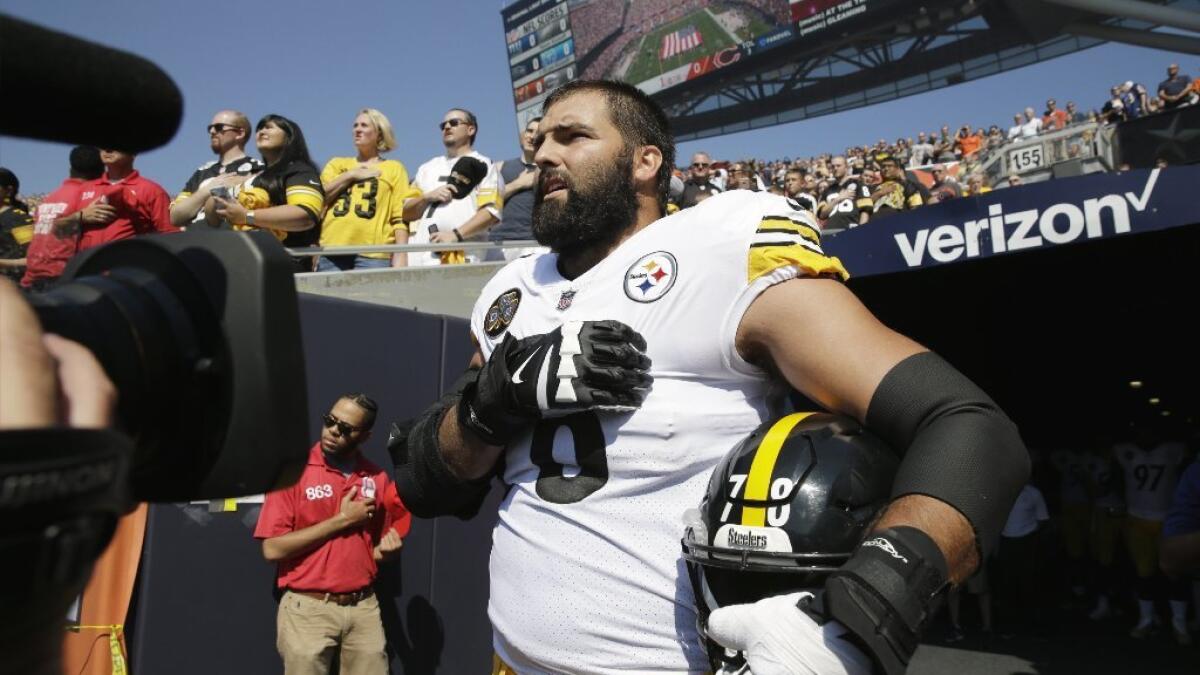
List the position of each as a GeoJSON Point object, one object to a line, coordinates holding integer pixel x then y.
{"type": "Point", "coordinates": [651, 277]}
{"type": "Point", "coordinates": [501, 312]}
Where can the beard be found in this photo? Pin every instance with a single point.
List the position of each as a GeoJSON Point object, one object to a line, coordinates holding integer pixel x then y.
{"type": "Point", "coordinates": [597, 210]}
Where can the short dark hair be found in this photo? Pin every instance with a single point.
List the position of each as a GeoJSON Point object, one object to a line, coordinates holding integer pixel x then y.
{"type": "Point", "coordinates": [470, 120]}
{"type": "Point", "coordinates": [639, 119]}
{"type": "Point", "coordinates": [368, 404]}
{"type": "Point", "coordinates": [85, 162]}
{"type": "Point", "coordinates": [9, 179]}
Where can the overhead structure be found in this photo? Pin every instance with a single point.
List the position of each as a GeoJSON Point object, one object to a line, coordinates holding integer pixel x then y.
{"type": "Point", "coordinates": [735, 65]}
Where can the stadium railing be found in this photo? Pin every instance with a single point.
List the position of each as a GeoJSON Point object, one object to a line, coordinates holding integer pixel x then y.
{"type": "Point", "coordinates": [1033, 159]}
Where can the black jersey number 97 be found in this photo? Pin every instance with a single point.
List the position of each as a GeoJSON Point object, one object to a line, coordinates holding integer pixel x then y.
{"type": "Point", "coordinates": [365, 209]}
{"type": "Point", "coordinates": [590, 454]}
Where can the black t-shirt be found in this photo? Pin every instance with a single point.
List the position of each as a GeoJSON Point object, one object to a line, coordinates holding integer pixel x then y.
{"type": "Point", "coordinates": [845, 212]}
{"type": "Point", "coordinates": [1172, 86]}
{"type": "Point", "coordinates": [693, 190]}
{"type": "Point", "coordinates": [805, 202]}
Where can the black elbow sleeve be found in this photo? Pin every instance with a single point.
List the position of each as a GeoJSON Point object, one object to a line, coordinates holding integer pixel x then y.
{"type": "Point", "coordinates": [961, 448]}
{"type": "Point", "coordinates": [426, 485]}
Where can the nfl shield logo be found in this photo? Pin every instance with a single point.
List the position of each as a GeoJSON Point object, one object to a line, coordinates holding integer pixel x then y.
{"type": "Point", "coordinates": [564, 300]}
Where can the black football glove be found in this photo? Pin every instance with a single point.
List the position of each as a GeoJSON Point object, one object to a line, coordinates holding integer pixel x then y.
{"type": "Point", "coordinates": [582, 365]}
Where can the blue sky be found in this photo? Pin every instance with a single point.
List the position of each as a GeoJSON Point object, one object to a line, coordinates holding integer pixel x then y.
{"type": "Point", "coordinates": [320, 62]}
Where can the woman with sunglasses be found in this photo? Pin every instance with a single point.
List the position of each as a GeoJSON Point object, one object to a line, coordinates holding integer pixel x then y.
{"type": "Point", "coordinates": [365, 197]}
{"type": "Point", "coordinates": [286, 198]}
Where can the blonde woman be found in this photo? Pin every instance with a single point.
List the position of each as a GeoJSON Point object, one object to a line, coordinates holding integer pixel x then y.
{"type": "Point", "coordinates": [364, 198]}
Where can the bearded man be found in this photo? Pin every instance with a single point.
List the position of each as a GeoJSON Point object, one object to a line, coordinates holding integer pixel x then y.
{"type": "Point", "coordinates": [614, 372]}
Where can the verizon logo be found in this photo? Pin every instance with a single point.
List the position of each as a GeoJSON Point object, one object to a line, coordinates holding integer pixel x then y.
{"type": "Point", "coordinates": [1060, 223]}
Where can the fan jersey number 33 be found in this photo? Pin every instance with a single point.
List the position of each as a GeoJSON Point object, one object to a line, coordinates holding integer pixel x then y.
{"type": "Point", "coordinates": [586, 574]}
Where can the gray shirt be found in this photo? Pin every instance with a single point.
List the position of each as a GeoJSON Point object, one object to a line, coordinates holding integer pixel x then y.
{"type": "Point", "coordinates": [517, 216]}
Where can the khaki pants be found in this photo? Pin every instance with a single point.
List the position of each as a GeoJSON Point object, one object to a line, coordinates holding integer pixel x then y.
{"type": "Point", "coordinates": [308, 632]}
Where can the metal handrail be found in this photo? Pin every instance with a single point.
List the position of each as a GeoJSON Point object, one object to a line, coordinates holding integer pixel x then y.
{"type": "Point", "coordinates": [411, 248]}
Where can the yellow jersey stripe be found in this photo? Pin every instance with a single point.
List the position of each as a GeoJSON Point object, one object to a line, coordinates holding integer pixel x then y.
{"type": "Point", "coordinates": [787, 224]}
{"type": "Point", "coordinates": [758, 483]}
{"type": "Point", "coordinates": [22, 233]}
{"type": "Point", "coordinates": [767, 257]}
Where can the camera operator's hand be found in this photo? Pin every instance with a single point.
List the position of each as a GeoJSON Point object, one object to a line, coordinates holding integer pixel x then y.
{"type": "Point", "coordinates": [98, 213]}
{"type": "Point", "coordinates": [356, 511]}
{"type": "Point", "coordinates": [47, 380]}
{"type": "Point", "coordinates": [584, 365]}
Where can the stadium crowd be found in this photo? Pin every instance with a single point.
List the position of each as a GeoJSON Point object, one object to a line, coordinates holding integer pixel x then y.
{"type": "Point", "coordinates": [364, 199]}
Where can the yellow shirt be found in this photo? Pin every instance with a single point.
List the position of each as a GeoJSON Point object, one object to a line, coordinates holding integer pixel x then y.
{"type": "Point", "coordinates": [368, 212]}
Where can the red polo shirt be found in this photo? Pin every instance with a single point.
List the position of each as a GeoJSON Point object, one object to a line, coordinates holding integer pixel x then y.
{"type": "Point", "coordinates": [49, 251]}
{"type": "Point", "coordinates": [345, 562]}
{"type": "Point", "coordinates": [143, 207]}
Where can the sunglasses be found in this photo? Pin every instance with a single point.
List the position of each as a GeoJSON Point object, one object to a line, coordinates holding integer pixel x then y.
{"type": "Point", "coordinates": [344, 428]}
{"type": "Point", "coordinates": [220, 128]}
{"type": "Point", "coordinates": [700, 165]}
{"type": "Point", "coordinates": [451, 124]}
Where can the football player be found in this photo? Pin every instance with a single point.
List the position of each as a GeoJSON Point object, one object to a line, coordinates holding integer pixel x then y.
{"type": "Point", "coordinates": [1151, 468]}
{"type": "Point", "coordinates": [614, 372]}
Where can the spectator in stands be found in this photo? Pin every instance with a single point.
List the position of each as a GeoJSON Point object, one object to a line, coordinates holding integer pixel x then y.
{"type": "Point", "coordinates": [698, 181]}
{"type": "Point", "coordinates": [1013, 180]}
{"type": "Point", "coordinates": [1014, 132]}
{"type": "Point", "coordinates": [364, 198]}
{"type": "Point", "coordinates": [286, 198]}
{"type": "Point", "coordinates": [60, 218]}
{"type": "Point", "coordinates": [976, 185]}
{"type": "Point", "coordinates": [846, 202]}
{"type": "Point", "coordinates": [142, 206]}
{"type": "Point", "coordinates": [327, 535]}
{"type": "Point", "coordinates": [943, 149]}
{"type": "Point", "coordinates": [966, 143]}
{"type": "Point", "coordinates": [1176, 91]}
{"type": "Point", "coordinates": [436, 216]}
{"type": "Point", "coordinates": [995, 138]}
{"type": "Point", "coordinates": [1017, 561]}
{"type": "Point", "coordinates": [227, 136]}
{"type": "Point", "coordinates": [897, 191]}
{"type": "Point", "coordinates": [16, 227]}
{"type": "Point", "coordinates": [944, 187]}
{"type": "Point", "coordinates": [518, 177]}
{"type": "Point", "coordinates": [922, 151]}
{"type": "Point", "coordinates": [1136, 100]}
{"type": "Point", "coordinates": [1054, 119]}
{"type": "Point", "coordinates": [796, 189]}
{"type": "Point", "coordinates": [1073, 114]}
{"type": "Point", "coordinates": [1033, 124]}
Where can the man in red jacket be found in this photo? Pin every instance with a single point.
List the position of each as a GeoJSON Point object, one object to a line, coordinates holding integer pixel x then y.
{"type": "Point", "coordinates": [142, 206]}
{"type": "Point", "coordinates": [59, 220]}
{"type": "Point", "coordinates": [328, 533]}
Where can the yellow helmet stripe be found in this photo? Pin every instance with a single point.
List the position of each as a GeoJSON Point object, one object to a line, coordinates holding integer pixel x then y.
{"type": "Point", "coordinates": [758, 483]}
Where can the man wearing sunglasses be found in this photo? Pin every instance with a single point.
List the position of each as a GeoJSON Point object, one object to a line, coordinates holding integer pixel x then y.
{"type": "Point", "coordinates": [327, 534]}
{"type": "Point", "coordinates": [699, 185]}
{"type": "Point", "coordinates": [227, 136]}
{"type": "Point", "coordinates": [436, 216]}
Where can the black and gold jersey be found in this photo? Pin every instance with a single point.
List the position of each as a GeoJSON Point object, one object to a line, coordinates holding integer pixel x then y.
{"type": "Point", "coordinates": [16, 231]}
{"type": "Point", "coordinates": [243, 166]}
{"type": "Point", "coordinates": [296, 184]}
{"type": "Point", "coordinates": [906, 194]}
{"type": "Point", "coordinates": [844, 213]}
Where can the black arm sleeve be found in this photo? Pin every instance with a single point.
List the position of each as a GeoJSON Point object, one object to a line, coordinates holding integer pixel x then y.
{"type": "Point", "coordinates": [961, 448]}
{"type": "Point", "coordinates": [426, 485]}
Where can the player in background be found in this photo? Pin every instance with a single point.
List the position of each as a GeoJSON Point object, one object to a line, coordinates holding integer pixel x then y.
{"type": "Point", "coordinates": [1071, 465]}
{"type": "Point", "coordinates": [1105, 482]}
{"type": "Point", "coordinates": [1151, 467]}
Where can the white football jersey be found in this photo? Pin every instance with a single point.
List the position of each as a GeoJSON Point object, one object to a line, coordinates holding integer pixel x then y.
{"type": "Point", "coordinates": [1150, 477]}
{"type": "Point", "coordinates": [446, 217]}
{"type": "Point", "coordinates": [586, 572]}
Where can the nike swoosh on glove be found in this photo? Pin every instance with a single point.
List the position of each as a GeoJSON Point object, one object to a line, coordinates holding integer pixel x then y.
{"type": "Point", "coordinates": [776, 638]}
{"type": "Point", "coordinates": [582, 365]}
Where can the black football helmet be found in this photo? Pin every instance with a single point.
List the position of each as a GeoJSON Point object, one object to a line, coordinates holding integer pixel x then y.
{"type": "Point", "coordinates": [784, 509]}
